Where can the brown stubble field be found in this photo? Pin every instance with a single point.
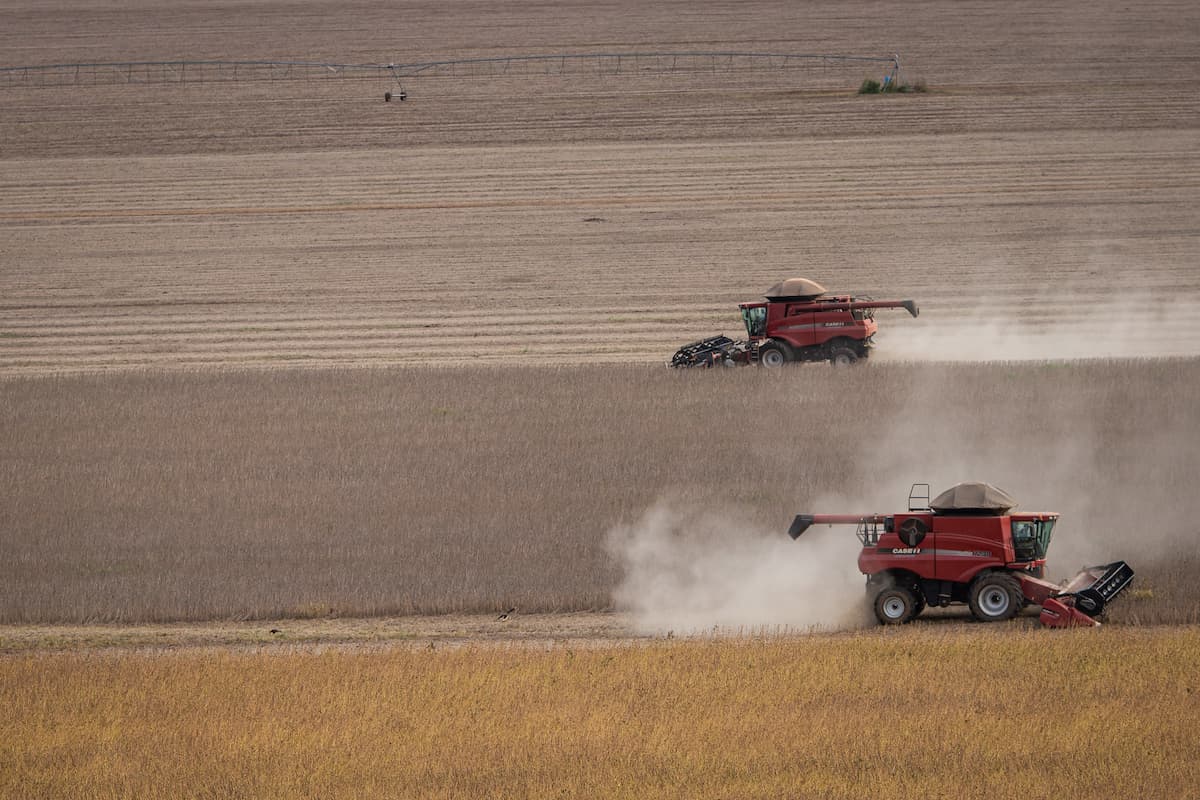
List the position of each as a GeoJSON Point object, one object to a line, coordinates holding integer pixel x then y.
{"type": "Point", "coordinates": [283, 357]}
{"type": "Point", "coordinates": [1052, 172]}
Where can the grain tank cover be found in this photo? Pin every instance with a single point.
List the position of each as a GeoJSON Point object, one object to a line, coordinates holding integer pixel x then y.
{"type": "Point", "coordinates": [795, 289]}
{"type": "Point", "coordinates": [973, 498]}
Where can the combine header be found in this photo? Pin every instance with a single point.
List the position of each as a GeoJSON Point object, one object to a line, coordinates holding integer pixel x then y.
{"type": "Point", "coordinates": [966, 547]}
{"type": "Point", "coordinates": [796, 323]}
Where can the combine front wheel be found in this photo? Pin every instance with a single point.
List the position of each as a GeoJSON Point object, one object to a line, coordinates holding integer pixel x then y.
{"type": "Point", "coordinates": [895, 605]}
{"type": "Point", "coordinates": [772, 355]}
{"type": "Point", "coordinates": [995, 597]}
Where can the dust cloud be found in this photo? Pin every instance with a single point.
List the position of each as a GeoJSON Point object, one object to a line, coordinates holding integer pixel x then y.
{"type": "Point", "coordinates": [1111, 446]}
{"type": "Point", "coordinates": [1076, 327]}
{"type": "Point", "coordinates": [1114, 456]}
{"type": "Point", "coordinates": [1117, 458]}
{"type": "Point", "coordinates": [696, 572]}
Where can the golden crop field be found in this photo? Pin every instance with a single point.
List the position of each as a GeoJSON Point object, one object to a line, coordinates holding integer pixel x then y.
{"type": "Point", "coordinates": [981, 714]}
{"type": "Point", "coordinates": [300, 390]}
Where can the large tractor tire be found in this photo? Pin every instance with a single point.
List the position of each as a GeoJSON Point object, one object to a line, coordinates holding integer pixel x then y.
{"type": "Point", "coordinates": [843, 357]}
{"type": "Point", "coordinates": [896, 605]}
{"type": "Point", "coordinates": [772, 355]}
{"type": "Point", "coordinates": [995, 597]}
{"type": "Point", "coordinates": [920, 602]}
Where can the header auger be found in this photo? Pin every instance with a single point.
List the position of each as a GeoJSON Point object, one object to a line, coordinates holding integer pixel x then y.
{"type": "Point", "coordinates": [797, 322]}
{"type": "Point", "coordinates": [968, 547]}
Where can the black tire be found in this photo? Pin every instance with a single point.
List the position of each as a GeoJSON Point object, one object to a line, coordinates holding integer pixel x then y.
{"type": "Point", "coordinates": [772, 355]}
{"type": "Point", "coordinates": [995, 597]}
{"type": "Point", "coordinates": [895, 605]}
{"type": "Point", "coordinates": [387, 97]}
{"type": "Point", "coordinates": [843, 357]}
{"type": "Point", "coordinates": [920, 601]}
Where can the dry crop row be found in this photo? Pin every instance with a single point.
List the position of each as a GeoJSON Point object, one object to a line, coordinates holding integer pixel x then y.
{"type": "Point", "coordinates": [297, 117]}
{"type": "Point", "coordinates": [605, 254]}
{"type": "Point", "coordinates": [299, 493]}
{"type": "Point", "coordinates": [599, 219]}
{"type": "Point", "coordinates": [885, 714]}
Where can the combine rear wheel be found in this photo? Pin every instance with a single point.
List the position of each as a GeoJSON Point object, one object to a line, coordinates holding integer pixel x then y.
{"type": "Point", "coordinates": [772, 355]}
{"type": "Point", "coordinates": [995, 597]}
{"type": "Point", "coordinates": [843, 357]}
{"type": "Point", "coordinates": [895, 605]}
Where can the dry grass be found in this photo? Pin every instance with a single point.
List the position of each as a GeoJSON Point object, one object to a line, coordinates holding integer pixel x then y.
{"type": "Point", "coordinates": [194, 496]}
{"type": "Point", "coordinates": [989, 714]}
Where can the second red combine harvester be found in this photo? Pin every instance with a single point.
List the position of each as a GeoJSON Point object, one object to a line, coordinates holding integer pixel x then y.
{"type": "Point", "coordinates": [967, 547]}
{"type": "Point", "coordinates": [797, 322]}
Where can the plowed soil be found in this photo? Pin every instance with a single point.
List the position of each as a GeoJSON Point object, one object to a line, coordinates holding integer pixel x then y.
{"type": "Point", "coordinates": [1040, 200]}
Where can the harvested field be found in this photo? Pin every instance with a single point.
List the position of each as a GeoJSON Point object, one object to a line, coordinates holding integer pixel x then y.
{"type": "Point", "coordinates": [1039, 202]}
{"type": "Point", "coordinates": [616, 253]}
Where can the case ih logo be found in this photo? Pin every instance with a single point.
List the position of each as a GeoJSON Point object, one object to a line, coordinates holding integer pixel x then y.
{"type": "Point", "coordinates": [900, 551]}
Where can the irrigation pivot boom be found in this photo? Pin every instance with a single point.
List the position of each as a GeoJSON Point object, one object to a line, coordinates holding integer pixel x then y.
{"type": "Point", "coordinates": [106, 73]}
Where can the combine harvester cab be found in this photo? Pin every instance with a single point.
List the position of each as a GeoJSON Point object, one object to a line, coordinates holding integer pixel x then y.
{"type": "Point", "coordinates": [796, 322]}
{"type": "Point", "coordinates": [966, 546]}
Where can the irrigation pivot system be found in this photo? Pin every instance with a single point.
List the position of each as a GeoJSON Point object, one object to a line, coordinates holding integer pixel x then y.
{"type": "Point", "coordinates": [116, 73]}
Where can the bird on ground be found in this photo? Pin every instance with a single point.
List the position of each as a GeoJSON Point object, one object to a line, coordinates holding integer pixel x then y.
{"type": "Point", "coordinates": [506, 613]}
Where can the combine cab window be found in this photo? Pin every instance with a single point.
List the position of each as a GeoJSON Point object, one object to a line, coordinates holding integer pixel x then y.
{"type": "Point", "coordinates": [1045, 528]}
{"type": "Point", "coordinates": [756, 320]}
{"type": "Point", "coordinates": [1031, 538]}
{"type": "Point", "coordinates": [1024, 535]}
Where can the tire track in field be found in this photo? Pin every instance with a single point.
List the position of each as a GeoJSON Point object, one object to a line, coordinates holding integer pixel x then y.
{"type": "Point", "coordinates": [596, 254]}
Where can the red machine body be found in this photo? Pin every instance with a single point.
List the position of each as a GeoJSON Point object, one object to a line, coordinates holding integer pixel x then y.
{"type": "Point", "coordinates": [837, 329]}
{"type": "Point", "coordinates": [796, 322]}
{"type": "Point", "coordinates": [955, 548]}
{"type": "Point", "coordinates": [992, 561]}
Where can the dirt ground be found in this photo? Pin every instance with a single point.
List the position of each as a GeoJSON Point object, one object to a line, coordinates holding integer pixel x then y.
{"type": "Point", "coordinates": [585, 629]}
{"type": "Point", "coordinates": [422, 631]}
{"type": "Point", "coordinates": [1049, 179]}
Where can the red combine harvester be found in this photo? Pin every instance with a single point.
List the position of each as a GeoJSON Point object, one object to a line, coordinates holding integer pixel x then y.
{"type": "Point", "coordinates": [796, 323]}
{"type": "Point", "coordinates": [966, 547]}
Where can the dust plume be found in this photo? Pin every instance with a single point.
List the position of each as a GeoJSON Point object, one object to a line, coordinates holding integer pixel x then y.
{"type": "Point", "coordinates": [1072, 327]}
{"type": "Point", "coordinates": [1116, 457]}
{"type": "Point", "coordinates": [692, 572]}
